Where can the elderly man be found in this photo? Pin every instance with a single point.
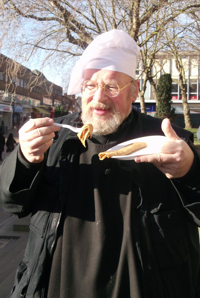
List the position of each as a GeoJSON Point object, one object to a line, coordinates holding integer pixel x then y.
{"type": "Point", "coordinates": [111, 228]}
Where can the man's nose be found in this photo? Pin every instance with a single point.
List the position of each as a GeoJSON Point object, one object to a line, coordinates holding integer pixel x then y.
{"type": "Point", "coordinates": [99, 94]}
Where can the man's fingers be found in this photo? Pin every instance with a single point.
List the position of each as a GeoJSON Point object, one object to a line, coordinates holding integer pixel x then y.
{"type": "Point", "coordinates": [36, 123]}
{"type": "Point", "coordinates": [175, 158]}
{"type": "Point", "coordinates": [35, 137]}
{"type": "Point", "coordinates": [38, 132]}
{"type": "Point", "coordinates": [35, 128]}
{"type": "Point", "coordinates": [159, 159]}
{"type": "Point", "coordinates": [34, 141]}
{"type": "Point", "coordinates": [40, 148]}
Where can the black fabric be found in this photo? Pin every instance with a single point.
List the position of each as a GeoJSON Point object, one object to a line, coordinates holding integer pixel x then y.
{"type": "Point", "coordinates": [94, 255]}
{"type": "Point", "coordinates": [2, 142]}
{"type": "Point", "coordinates": [164, 223]}
{"type": "Point", "coordinates": [10, 144]}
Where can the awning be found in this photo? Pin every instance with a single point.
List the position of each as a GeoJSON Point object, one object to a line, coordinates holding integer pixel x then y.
{"type": "Point", "coordinates": [5, 108]}
{"type": "Point", "coordinates": [40, 110]}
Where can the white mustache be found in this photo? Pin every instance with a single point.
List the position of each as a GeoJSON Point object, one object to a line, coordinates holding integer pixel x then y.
{"type": "Point", "coordinates": [99, 106]}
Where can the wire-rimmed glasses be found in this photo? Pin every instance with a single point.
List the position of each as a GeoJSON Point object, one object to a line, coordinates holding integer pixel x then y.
{"type": "Point", "coordinates": [110, 89]}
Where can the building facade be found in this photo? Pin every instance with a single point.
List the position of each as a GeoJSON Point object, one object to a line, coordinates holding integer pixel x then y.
{"type": "Point", "coordinates": [165, 63]}
{"type": "Point", "coordinates": [26, 94]}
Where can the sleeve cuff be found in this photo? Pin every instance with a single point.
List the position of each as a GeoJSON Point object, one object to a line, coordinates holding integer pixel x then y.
{"type": "Point", "coordinates": [194, 170]}
{"type": "Point", "coordinates": [23, 161]}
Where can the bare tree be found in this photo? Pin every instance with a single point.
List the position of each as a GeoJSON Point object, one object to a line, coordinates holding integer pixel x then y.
{"type": "Point", "coordinates": [148, 59]}
{"type": "Point", "coordinates": [176, 45]}
{"type": "Point", "coordinates": [57, 30]}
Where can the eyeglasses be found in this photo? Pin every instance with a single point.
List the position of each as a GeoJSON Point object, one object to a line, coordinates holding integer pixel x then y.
{"type": "Point", "coordinates": [110, 89]}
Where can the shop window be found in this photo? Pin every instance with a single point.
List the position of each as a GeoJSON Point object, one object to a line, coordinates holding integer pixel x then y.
{"type": "Point", "coordinates": [1, 76]}
{"type": "Point", "coordinates": [58, 92]}
{"type": "Point", "coordinates": [193, 89]}
{"type": "Point", "coordinates": [26, 86]}
{"type": "Point", "coordinates": [174, 88]}
{"type": "Point", "coordinates": [37, 89]}
{"type": "Point", "coordinates": [193, 86]}
{"type": "Point", "coordinates": [19, 82]}
{"type": "Point", "coordinates": [174, 92]}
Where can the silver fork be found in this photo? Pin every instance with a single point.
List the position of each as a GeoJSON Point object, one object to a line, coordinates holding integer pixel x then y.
{"type": "Point", "coordinates": [75, 129]}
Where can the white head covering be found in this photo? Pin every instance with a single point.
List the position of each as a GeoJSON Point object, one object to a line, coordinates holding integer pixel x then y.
{"type": "Point", "coordinates": [112, 50]}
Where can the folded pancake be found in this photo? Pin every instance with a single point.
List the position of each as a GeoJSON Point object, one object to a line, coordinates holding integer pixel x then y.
{"type": "Point", "coordinates": [85, 133]}
{"type": "Point", "coordinates": [123, 151]}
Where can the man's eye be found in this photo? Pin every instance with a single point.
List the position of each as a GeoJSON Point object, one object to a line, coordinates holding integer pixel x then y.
{"type": "Point", "coordinates": [111, 87]}
{"type": "Point", "coordinates": [90, 86]}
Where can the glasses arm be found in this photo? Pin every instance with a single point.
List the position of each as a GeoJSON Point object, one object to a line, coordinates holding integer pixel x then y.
{"type": "Point", "coordinates": [125, 86]}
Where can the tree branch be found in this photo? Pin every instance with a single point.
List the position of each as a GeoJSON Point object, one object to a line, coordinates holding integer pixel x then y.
{"type": "Point", "coordinates": [166, 21]}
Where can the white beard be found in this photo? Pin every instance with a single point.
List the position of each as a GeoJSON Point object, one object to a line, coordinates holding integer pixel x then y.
{"type": "Point", "coordinates": [102, 126]}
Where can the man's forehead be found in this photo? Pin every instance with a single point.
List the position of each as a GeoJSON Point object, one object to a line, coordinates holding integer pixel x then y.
{"type": "Point", "coordinates": [94, 74]}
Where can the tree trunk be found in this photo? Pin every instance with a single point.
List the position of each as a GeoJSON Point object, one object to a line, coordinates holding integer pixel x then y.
{"type": "Point", "coordinates": [182, 83]}
{"type": "Point", "coordinates": [186, 112]}
{"type": "Point", "coordinates": [142, 103]}
{"type": "Point", "coordinates": [186, 109]}
{"type": "Point", "coordinates": [153, 84]}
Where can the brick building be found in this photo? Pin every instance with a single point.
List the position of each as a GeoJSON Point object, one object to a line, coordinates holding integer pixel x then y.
{"type": "Point", "coordinates": [25, 93]}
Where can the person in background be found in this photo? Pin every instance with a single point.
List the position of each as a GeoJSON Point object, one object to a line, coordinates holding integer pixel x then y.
{"type": "Point", "coordinates": [2, 144]}
{"type": "Point", "coordinates": [112, 228]}
{"type": "Point", "coordinates": [2, 126]}
{"type": "Point", "coordinates": [10, 143]}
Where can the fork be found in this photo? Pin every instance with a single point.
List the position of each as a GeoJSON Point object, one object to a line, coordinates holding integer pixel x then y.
{"type": "Point", "coordinates": [75, 129]}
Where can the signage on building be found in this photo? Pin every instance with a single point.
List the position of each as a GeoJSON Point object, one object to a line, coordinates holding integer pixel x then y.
{"type": "Point", "coordinates": [180, 97]}
{"type": "Point", "coordinates": [150, 107]}
{"type": "Point", "coordinates": [47, 101]}
{"type": "Point", "coordinates": [5, 108]}
{"type": "Point", "coordinates": [17, 109]}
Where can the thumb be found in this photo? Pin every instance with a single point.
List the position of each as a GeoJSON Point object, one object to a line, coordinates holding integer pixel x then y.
{"type": "Point", "coordinates": [168, 130]}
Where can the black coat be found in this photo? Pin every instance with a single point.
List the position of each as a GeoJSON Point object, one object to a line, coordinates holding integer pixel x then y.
{"type": "Point", "coordinates": [165, 224]}
{"type": "Point", "coordinates": [2, 143]}
{"type": "Point", "coordinates": [10, 144]}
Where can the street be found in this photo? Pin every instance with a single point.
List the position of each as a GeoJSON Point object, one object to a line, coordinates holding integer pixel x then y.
{"type": "Point", "coordinates": [16, 137]}
{"type": "Point", "coordinates": [13, 239]}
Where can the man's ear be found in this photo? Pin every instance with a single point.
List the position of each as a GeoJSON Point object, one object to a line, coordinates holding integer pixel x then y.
{"type": "Point", "coordinates": [137, 86]}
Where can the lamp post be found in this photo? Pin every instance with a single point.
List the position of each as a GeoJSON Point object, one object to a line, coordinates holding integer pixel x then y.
{"type": "Point", "coordinates": [12, 105]}
{"type": "Point", "coordinates": [13, 101]}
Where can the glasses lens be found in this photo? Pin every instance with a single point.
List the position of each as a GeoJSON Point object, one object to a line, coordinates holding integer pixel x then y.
{"type": "Point", "coordinates": [111, 89]}
{"type": "Point", "coordinates": [89, 87]}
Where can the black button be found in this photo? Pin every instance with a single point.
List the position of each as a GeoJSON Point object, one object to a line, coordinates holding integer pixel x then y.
{"type": "Point", "coordinates": [107, 171]}
{"type": "Point", "coordinates": [142, 212]}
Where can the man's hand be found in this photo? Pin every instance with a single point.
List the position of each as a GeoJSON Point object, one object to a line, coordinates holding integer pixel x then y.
{"type": "Point", "coordinates": [175, 158]}
{"type": "Point", "coordinates": [35, 137]}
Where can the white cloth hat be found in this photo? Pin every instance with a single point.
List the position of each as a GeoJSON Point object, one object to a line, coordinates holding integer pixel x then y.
{"type": "Point", "coordinates": [112, 50]}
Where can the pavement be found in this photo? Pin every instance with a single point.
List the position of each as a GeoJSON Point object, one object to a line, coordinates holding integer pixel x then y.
{"type": "Point", "coordinates": [13, 238]}
{"type": "Point", "coordinates": [12, 246]}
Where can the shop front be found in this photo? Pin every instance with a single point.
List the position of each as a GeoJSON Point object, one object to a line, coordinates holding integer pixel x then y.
{"type": "Point", "coordinates": [39, 113]}
{"type": "Point", "coordinates": [17, 116]}
{"type": "Point", "coordinates": [5, 116]}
